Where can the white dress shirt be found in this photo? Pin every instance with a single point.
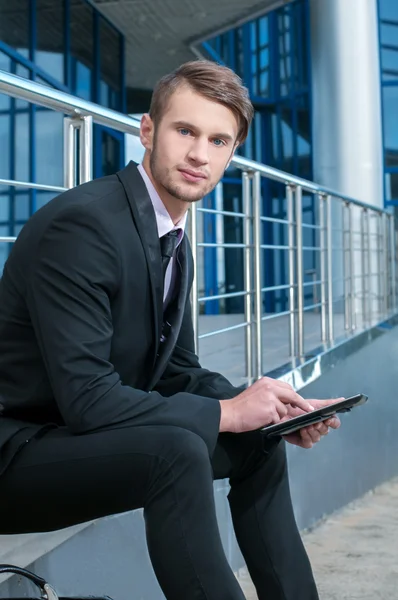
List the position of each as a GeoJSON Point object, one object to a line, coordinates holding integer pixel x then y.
{"type": "Point", "coordinates": [165, 225]}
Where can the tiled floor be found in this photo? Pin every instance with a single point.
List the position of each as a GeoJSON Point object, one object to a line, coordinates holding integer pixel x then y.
{"type": "Point", "coordinates": [354, 553]}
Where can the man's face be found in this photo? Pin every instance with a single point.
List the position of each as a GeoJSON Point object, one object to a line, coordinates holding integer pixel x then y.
{"type": "Point", "coordinates": [192, 145]}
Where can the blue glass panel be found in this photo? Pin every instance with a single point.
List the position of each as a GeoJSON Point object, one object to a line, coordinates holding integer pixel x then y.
{"type": "Point", "coordinates": [253, 36]}
{"type": "Point", "coordinates": [4, 247]}
{"type": "Point", "coordinates": [5, 65]}
{"type": "Point", "coordinates": [392, 186]}
{"type": "Point", "coordinates": [5, 126]}
{"type": "Point", "coordinates": [264, 83]}
{"type": "Point", "coordinates": [22, 145]}
{"type": "Point", "coordinates": [389, 34]}
{"type": "Point", "coordinates": [22, 72]}
{"type": "Point", "coordinates": [264, 58]}
{"type": "Point", "coordinates": [43, 197]}
{"type": "Point", "coordinates": [21, 207]}
{"type": "Point", "coordinates": [110, 154]}
{"type": "Point", "coordinates": [50, 38]}
{"type": "Point", "coordinates": [110, 55]}
{"type": "Point", "coordinates": [390, 98]}
{"type": "Point", "coordinates": [4, 207]}
{"type": "Point", "coordinates": [82, 47]}
{"type": "Point", "coordinates": [389, 9]}
{"type": "Point", "coordinates": [83, 81]}
{"type": "Point", "coordinates": [263, 31]}
{"type": "Point", "coordinates": [389, 63]}
{"type": "Point", "coordinates": [49, 147]}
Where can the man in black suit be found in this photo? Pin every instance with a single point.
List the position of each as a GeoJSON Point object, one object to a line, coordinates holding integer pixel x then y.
{"type": "Point", "coordinates": [104, 405]}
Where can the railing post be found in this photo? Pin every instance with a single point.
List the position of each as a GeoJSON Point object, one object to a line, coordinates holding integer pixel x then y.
{"type": "Point", "coordinates": [246, 191]}
{"type": "Point", "coordinates": [300, 272]}
{"type": "Point", "coordinates": [329, 231]}
{"type": "Point", "coordinates": [292, 286]}
{"type": "Point", "coordinates": [86, 149]}
{"type": "Point", "coordinates": [346, 268]}
{"type": "Point", "coordinates": [393, 263]}
{"type": "Point", "coordinates": [369, 265]}
{"type": "Point", "coordinates": [257, 272]}
{"type": "Point", "coordinates": [83, 126]}
{"type": "Point", "coordinates": [352, 266]}
{"type": "Point", "coordinates": [323, 264]}
{"type": "Point", "coordinates": [69, 153]}
{"type": "Point", "coordinates": [193, 236]}
{"type": "Point", "coordinates": [363, 266]}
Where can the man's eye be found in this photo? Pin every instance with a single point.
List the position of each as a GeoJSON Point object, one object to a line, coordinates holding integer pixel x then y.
{"type": "Point", "coordinates": [218, 142]}
{"type": "Point", "coordinates": [184, 131]}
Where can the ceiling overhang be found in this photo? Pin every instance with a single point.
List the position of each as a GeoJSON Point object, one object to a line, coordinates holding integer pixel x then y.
{"type": "Point", "coordinates": [162, 34]}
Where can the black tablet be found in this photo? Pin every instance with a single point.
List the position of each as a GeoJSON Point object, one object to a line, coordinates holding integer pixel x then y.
{"type": "Point", "coordinates": [315, 416]}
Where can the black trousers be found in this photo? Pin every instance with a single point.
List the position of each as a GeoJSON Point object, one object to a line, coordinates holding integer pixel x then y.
{"type": "Point", "coordinates": [61, 479]}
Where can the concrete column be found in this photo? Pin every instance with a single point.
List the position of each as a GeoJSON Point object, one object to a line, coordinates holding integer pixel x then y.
{"type": "Point", "coordinates": [347, 129]}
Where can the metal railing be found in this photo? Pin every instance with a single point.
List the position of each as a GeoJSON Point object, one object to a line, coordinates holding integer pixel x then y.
{"type": "Point", "coordinates": [352, 259]}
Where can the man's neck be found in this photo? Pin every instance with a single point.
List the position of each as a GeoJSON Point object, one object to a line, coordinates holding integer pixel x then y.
{"type": "Point", "coordinates": [176, 208]}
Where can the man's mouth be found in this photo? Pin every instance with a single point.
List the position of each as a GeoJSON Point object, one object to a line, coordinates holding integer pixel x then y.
{"type": "Point", "coordinates": [192, 176]}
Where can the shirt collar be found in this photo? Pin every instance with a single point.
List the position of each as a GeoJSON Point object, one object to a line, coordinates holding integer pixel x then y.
{"type": "Point", "coordinates": [163, 219]}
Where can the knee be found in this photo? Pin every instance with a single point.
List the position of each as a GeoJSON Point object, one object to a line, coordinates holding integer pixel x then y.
{"type": "Point", "coordinates": [184, 446]}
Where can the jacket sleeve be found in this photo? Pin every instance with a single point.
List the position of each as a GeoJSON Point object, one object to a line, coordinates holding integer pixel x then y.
{"type": "Point", "coordinates": [73, 278]}
{"type": "Point", "coordinates": [185, 372]}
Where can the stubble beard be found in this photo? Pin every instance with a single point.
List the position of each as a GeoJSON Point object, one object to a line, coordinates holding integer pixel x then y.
{"type": "Point", "coordinates": [165, 179]}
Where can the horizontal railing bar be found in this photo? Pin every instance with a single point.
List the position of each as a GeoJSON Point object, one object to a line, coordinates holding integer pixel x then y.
{"type": "Point", "coordinates": [276, 315]}
{"type": "Point", "coordinates": [312, 306]}
{"type": "Point", "coordinates": [274, 288]}
{"type": "Point", "coordinates": [225, 330]}
{"type": "Point", "coordinates": [225, 213]}
{"type": "Point", "coordinates": [7, 239]}
{"type": "Point", "coordinates": [220, 245]}
{"type": "Point", "coordinates": [33, 186]}
{"type": "Point", "coordinates": [275, 220]}
{"type": "Point", "coordinates": [222, 296]}
{"type": "Point", "coordinates": [31, 91]}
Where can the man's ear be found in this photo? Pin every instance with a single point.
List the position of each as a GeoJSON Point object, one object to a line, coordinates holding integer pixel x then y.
{"type": "Point", "coordinates": [147, 131]}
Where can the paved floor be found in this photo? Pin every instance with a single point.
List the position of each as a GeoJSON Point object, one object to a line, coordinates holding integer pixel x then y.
{"type": "Point", "coordinates": [354, 552]}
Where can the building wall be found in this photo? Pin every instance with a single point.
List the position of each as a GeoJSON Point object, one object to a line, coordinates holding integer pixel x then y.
{"type": "Point", "coordinates": [68, 46]}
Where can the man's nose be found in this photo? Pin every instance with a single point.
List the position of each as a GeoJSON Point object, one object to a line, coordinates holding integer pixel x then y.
{"type": "Point", "coordinates": [199, 151]}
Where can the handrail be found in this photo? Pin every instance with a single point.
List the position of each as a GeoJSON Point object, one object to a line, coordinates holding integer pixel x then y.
{"type": "Point", "coordinates": [24, 89]}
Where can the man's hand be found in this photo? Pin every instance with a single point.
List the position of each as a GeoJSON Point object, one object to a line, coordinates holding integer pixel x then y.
{"type": "Point", "coordinates": [266, 401]}
{"type": "Point", "coordinates": [272, 401]}
{"type": "Point", "coordinates": [308, 436]}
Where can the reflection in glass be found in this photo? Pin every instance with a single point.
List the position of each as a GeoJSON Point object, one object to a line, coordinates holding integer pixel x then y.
{"type": "Point", "coordinates": [110, 154]}
{"type": "Point", "coordinates": [4, 209]}
{"type": "Point", "coordinates": [82, 47]}
{"type": "Point", "coordinates": [43, 197]}
{"type": "Point", "coordinates": [50, 37]}
{"type": "Point", "coordinates": [14, 25]}
{"type": "Point", "coordinates": [110, 55]}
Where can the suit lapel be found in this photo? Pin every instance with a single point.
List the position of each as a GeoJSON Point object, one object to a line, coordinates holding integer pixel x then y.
{"type": "Point", "coordinates": [145, 221]}
{"type": "Point", "coordinates": [176, 313]}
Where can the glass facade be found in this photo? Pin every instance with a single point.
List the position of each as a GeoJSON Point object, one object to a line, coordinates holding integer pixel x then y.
{"type": "Point", "coordinates": [70, 46]}
{"type": "Point", "coordinates": [272, 55]}
{"type": "Point", "coordinates": [388, 26]}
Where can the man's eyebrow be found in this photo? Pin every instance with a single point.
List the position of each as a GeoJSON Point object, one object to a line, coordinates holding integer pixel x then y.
{"type": "Point", "coordinates": [225, 136]}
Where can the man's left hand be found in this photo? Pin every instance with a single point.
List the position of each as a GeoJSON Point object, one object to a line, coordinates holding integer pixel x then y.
{"type": "Point", "coordinates": [308, 436]}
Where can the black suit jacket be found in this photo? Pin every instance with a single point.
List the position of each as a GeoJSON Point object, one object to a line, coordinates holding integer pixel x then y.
{"type": "Point", "coordinates": [81, 310]}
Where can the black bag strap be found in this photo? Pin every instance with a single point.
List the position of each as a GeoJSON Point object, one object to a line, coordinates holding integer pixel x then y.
{"type": "Point", "coordinates": [46, 590]}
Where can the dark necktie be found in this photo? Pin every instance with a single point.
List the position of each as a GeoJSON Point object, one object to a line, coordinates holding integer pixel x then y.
{"type": "Point", "coordinates": [168, 244]}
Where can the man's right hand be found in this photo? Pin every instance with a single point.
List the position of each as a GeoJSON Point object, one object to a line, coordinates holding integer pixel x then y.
{"type": "Point", "coordinates": [266, 401]}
